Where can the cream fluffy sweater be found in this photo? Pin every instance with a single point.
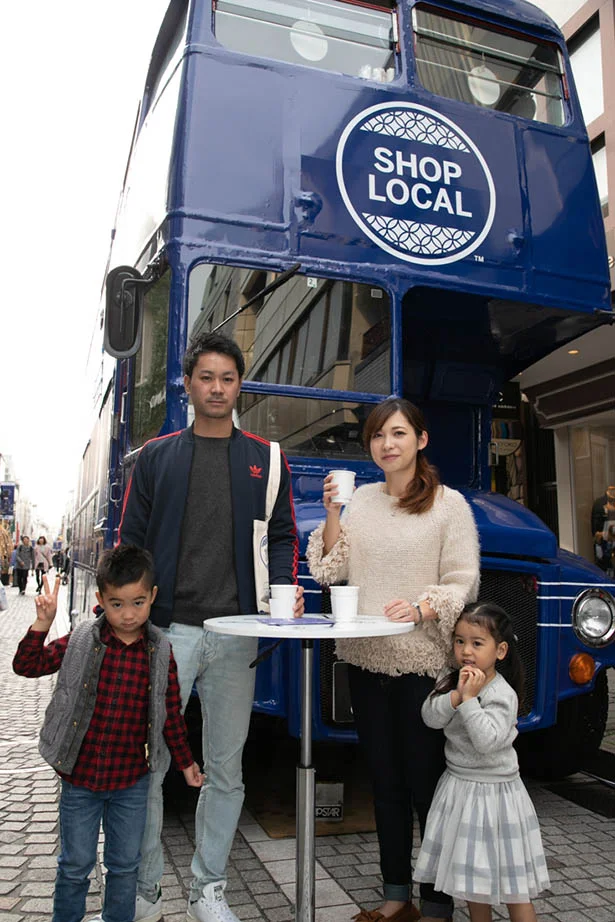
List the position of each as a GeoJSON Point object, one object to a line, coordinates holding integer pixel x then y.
{"type": "Point", "coordinates": [391, 554]}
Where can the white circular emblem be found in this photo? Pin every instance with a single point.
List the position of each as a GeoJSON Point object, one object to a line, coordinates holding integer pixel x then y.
{"type": "Point", "coordinates": [415, 183]}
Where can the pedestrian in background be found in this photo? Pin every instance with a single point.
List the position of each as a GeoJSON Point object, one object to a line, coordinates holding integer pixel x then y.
{"type": "Point", "coordinates": [43, 561]}
{"type": "Point", "coordinates": [13, 567]}
{"type": "Point", "coordinates": [24, 561]}
{"type": "Point", "coordinates": [104, 744]}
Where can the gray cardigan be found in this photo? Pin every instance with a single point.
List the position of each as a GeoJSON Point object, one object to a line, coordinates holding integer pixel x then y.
{"type": "Point", "coordinates": [479, 733]}
{"type": "Point", "coordinates": [71, 708]}
{"type": "Point", "coordinates": [24, 559]}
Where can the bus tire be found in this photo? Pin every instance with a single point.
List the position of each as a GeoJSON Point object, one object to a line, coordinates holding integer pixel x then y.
{"type": "Point", "coordinates": [561, 750]}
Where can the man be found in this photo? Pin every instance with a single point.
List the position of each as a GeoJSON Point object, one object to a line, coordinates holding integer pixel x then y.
{"type": "Point", "coordinates": [24, 561]}
{"type": "Point", "coordinates": [192, 501]}
{"type": "Point", "coordinates": [603, 512]}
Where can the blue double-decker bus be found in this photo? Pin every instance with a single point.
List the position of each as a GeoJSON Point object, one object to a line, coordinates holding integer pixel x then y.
{"type": "Point", "coordinates": [417, 179]}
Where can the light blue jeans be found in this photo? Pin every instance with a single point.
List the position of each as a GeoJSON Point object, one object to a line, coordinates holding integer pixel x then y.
{"type": "Point", "coordinates": [219, 665]}
{"type": "Point", "coordinates": [123, 818]}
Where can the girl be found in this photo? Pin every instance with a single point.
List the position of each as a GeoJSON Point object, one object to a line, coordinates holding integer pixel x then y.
{"type": "Point", "coordinates": [482, 842]}
{"type": "Point", "coordinates": [411, 546]}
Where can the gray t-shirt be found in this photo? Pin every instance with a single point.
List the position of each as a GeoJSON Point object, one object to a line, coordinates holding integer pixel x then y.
{"type": "Point", "coordinates": [206, 582]}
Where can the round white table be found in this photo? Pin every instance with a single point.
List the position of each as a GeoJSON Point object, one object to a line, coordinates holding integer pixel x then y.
{"type": "Point", "coordinates": [316, 628]}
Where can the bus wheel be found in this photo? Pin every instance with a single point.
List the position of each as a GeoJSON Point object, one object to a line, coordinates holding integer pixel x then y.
{"type": "Point", "coordinates": [561, 750]}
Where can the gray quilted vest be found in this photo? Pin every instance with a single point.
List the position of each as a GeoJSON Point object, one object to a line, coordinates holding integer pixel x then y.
{"type": "Point", "coordinates": [70, 710]}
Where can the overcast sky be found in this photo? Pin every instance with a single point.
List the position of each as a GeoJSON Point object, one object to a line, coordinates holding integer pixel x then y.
{"type": "Point", "coordinates": [72, 74]}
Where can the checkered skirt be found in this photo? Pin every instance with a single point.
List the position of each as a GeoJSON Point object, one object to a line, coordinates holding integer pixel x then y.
{"type": "Point", "coordinates": [482, 842]}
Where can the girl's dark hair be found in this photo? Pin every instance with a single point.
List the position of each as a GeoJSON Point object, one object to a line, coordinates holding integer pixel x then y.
{"type": "Point", "coordinates": [43, 539]}
{"type": "Point", "coordinates": [421, 492]}
{"type": "Point", "coordinates": [494, 619]}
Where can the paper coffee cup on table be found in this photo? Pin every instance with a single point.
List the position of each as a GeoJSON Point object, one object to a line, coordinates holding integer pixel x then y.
{"type": "Point", "coordinates": [345, 602]}
{"type": "Point", "coordinates": [344, 481]}
{"type": "Point", "coordinates": [282, 601]}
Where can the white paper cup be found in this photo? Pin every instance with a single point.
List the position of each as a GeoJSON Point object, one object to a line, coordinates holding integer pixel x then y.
{"type": "Point", "coordinates": [344, 481]}
{"type": "Point", "coordinates": [345, 602]}
{"type": "Point", "coordinates": [278, 608]}
{"type": "Point", "coordinates": [282, 601]}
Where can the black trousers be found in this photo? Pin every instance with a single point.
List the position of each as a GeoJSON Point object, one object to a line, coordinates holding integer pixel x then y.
{"type": "Point", "coordinates": [22, 580]}
{"type": "Point", "coordinates": [40, 572]}
{"type": "Point", "coordinates": [405, 760]}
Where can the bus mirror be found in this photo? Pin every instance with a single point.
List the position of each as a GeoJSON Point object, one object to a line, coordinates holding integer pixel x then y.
{"type": "Point", "coordinates": [123, 312]}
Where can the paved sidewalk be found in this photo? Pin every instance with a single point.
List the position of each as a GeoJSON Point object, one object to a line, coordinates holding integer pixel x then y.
{"type": "Point", "coordinates": [580, 845]}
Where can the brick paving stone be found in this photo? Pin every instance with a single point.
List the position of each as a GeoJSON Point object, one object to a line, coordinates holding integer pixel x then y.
{"type": "Point", "coordinates": [44, 861]}
{"type": "Point", "coordinates": [41, 849]}
{"type": "Point", "coordinates": [42, 874]}
{"type": "Point", "coordinates": [237, 896]}
{"type": "Point", "coordinates": [262, 886]}
{"type": "Point", "coordinates": [8, 886]}
{"type": "Point", "coordinates": [280, 914]}
{"type": "Point", "coordinates": [38, 905]}
{"type": "Point", "coordinates": [12, 861]}
{"type": "Point", "coordinates": [255, 874]}
{"type": "Point", "coordinates": [270, 900]}
{"type": "Point", "coordinates": [368, 869]}
{"type": "Point", "coordinates": [249, 912]}
{"type": "Point", "coordinates": [7, 836]}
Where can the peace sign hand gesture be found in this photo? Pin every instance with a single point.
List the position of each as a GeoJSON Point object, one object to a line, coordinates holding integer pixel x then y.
{"type": "Point", "coordinates": [46, 605]}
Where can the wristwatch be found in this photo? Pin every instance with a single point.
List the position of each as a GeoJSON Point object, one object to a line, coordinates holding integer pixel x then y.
{"type": "Point", "coordinates": [418, 608]}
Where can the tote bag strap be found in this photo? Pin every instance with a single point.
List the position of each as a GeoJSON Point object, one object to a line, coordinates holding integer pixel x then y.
{"type": "Point", "coordinates": [273, 483]}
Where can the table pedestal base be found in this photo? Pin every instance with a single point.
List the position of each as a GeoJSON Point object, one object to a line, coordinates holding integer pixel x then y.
{"type": "Point", "coordinates": [304, 905]}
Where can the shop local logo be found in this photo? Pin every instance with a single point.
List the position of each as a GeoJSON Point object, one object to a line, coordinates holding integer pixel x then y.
{"type": "Point", "coordinates": [415, 183]}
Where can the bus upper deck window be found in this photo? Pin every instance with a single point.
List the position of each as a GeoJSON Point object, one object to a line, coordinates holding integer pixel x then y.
{"type": "Point", "coordinates": [473, 62]}
{"type": "Point", "coordinates": [329, 34]}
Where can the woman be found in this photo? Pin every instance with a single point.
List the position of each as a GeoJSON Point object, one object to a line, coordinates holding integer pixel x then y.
{"type": "Point", "coordinates": [43, 561]}
{"type": "Point", "coordinates": [411, 546]}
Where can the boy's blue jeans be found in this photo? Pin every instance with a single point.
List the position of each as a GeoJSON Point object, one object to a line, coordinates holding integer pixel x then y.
{"type": "Point", "coordinates": [123, 818]}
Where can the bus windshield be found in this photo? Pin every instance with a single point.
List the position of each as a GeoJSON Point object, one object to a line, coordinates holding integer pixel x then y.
{"type": "Point", "coordinates": [311, 332]}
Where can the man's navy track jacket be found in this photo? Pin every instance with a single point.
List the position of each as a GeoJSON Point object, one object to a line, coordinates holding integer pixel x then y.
{"type": "Point", "coordinates": [154, 510]}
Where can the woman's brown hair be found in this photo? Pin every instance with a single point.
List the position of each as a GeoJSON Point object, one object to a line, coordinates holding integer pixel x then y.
{"type": "Point", "coordinates": [421, 492]}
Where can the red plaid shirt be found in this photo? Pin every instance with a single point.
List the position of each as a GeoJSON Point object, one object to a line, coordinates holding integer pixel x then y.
{"type": "Point", "coordinates": [112, 755]}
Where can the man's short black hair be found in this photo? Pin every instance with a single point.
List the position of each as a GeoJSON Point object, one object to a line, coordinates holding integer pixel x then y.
{"type": "Point", "coordinates": [212, 342]}
{"type": "Point", "coordinates": [124, 564]}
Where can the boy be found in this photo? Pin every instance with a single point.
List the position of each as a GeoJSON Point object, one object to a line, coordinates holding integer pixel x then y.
{"type": "Point", "coordinates": [115, 704]}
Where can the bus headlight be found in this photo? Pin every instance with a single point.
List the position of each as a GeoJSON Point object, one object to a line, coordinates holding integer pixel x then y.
{"type": "Point", "coordinates": [593, 617]}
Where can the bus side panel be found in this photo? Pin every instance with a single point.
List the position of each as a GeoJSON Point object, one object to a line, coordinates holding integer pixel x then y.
{"type": "Point", "coordinates": [561, 182]}
{"type": "Point", "coordinates": [238, 172]}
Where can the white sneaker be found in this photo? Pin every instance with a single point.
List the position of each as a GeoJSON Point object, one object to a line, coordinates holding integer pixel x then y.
{"type": "Point", "coordinates": [212, 906]}
{"type": "Point", "coordinates": [146, 911]}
